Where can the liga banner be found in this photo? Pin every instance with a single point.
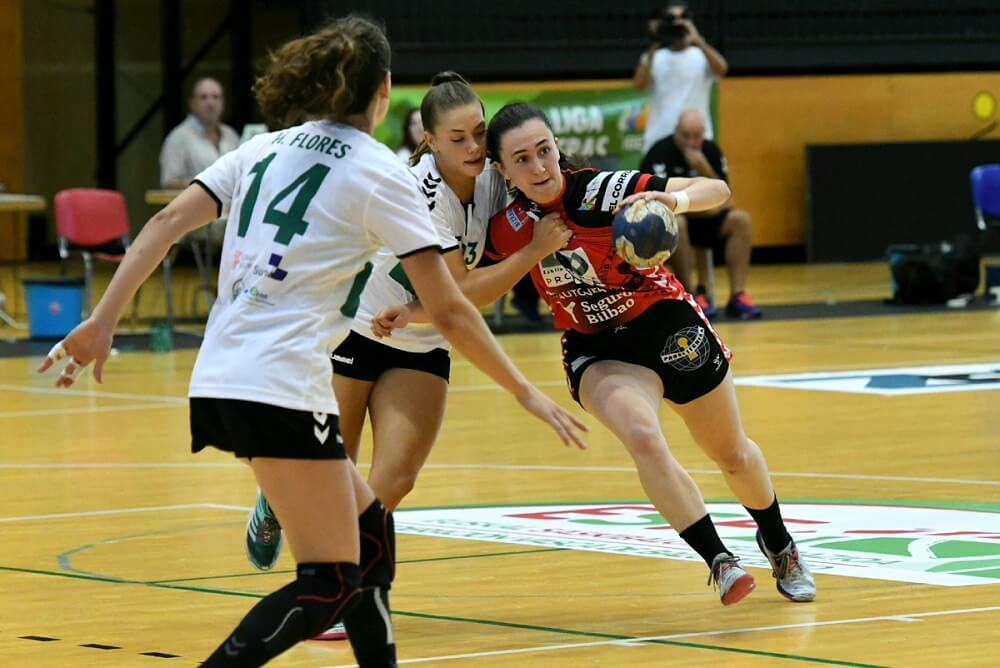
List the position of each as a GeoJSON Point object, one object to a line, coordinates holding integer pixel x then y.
{"type": "Point", "coordinates": [602, 125]}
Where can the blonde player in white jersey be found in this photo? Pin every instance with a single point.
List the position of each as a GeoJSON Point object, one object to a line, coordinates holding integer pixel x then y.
{"type": "Point", "coordinates": [402, 381]}
{"type": "Point", "coordinates": [309, 207]}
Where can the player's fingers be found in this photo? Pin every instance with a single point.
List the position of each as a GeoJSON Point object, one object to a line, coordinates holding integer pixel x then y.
{"type": "Point", "coordinates": [576, 422]}
{"type": "Point", "coordinates": [99, 370]}
{"type": "Point", "coordinates": [574, 428]}
{"type": "Point", "coordinates": [56, 353]}
{"type": "Point", "coordinates": [560, 430]}
{"type": "Point", "coordinates": [69, 373]}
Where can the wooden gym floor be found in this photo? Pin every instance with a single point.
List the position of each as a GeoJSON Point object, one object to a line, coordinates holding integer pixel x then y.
{"type": "Point", "coordinates": [119, 548]}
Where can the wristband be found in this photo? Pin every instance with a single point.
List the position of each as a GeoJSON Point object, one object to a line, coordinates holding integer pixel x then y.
{"type": "Point", "coordinates": [683, 201]}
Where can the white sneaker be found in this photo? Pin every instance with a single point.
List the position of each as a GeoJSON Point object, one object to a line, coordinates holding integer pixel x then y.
{"type": "Point", "coordinates": [734, 583]}
{"type": "Point", "coordinates": [335, 632]}
{"type": "Point", "coordinates": [793, 578]}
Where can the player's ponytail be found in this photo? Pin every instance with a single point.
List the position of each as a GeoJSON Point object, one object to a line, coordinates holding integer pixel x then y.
{"type": "Point", "coordinates": [448, 91]}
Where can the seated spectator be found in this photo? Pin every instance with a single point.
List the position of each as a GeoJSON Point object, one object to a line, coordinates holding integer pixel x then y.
{"type": "Point", "coordinates": [413, 134]}
{"type": "Point", "coordinates": [199, 140]}
{"type": "Point", "coordinates": [687, 153]}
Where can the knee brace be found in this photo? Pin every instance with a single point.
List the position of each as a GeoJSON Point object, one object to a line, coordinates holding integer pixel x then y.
{"type": "Point", "coordinates": [378, 546]}
{"type": "Point", "coordinates": [320, 596]}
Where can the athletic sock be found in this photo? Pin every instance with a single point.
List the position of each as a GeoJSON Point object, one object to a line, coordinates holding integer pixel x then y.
{"type": "Point", "coordinates": [772, 528]}
{"type": "Point", "coordinates": [704, 539]}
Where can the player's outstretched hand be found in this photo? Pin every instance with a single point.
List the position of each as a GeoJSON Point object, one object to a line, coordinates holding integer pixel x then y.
{"type": "Point", "coordinates": [390, 318]}
{"type": "Point", "coordinates": [88, 342]}
{"type": "Point", "coordinates": [567, 425]}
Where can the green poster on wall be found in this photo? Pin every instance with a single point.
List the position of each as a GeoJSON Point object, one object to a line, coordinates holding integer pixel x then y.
{"type": "Point", "coordinates": [603, 126]}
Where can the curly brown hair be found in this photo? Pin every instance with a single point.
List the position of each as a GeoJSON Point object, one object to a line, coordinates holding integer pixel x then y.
{"type": "Point", "coordinates": [331, 73]}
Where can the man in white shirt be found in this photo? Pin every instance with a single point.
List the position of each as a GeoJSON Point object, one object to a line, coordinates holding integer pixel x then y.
{"type": "Point", "coordinates": [200, 139]}
{"type": "Point", "coordinates": [678, 69]}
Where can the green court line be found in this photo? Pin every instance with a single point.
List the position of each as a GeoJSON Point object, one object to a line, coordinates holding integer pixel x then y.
{"type": "Point", "coordinates": [284, 571]}
{"type": "Point", "coordinates": [464, 620]}
{"type": "Point", "coordinates": [407, 561]}
{"type": "Point", "coordinates": [614, 636]}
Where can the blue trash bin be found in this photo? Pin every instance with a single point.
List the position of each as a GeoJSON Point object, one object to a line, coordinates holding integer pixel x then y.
{"type": "Point", "coordinates": [55, 306]}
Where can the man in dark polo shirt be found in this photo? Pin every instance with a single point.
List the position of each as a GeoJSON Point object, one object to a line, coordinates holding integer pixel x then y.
{"type": "Point", "coordinates": [687, 153]}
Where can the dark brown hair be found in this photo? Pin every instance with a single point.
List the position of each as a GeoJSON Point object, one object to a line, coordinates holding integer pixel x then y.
{"type": "Point", "coordinates": [448, 91]}
{"type": "Point", "coordinates": [514, 115]}
{"type": "Point", "coordinates": [331, 73]}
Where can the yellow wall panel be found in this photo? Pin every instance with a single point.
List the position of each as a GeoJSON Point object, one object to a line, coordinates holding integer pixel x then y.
{"type": "Point", "coordinates": [766, 124]}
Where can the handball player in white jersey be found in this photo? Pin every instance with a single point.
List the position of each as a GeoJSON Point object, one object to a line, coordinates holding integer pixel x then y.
{"type": "Point", "coordinates": [402, 382]}
{"type": "Point", "coordinates": [310, 207]}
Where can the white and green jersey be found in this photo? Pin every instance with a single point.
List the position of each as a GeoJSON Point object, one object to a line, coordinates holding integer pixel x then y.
{"type": "Point", "coordinates": [309, 208]}
{"type": "Point", "coordinates": [460, 227]}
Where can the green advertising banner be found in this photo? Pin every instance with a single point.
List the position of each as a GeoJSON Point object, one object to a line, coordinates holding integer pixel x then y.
{"type": "Point", "coordinates": [601, 123]}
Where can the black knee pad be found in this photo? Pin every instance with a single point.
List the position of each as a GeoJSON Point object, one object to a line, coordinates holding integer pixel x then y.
{"type": "Point", "coordinates": [319, 597]}
{"type": "Point", "coordinates": [378, 546]}
{"type": "Point", "coordinates": [326, 592]}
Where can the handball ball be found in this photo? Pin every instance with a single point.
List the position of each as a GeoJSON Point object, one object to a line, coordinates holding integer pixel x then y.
{"type": "Point", "coordinates": [645, 233]}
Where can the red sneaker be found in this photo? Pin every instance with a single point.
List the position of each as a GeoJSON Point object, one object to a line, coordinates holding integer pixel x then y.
{"type": "Point", "coordinates": [705, 304]}
{"type": "Point", "coordinates": [741, 306]}
{"type": "Point", "coordinates": [335, 632]}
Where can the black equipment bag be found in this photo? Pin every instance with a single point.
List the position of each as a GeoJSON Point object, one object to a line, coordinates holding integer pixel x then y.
{"type": "Point", "coordinates": [933, 273]}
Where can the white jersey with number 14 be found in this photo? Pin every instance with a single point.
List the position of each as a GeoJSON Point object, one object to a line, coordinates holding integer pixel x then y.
{"type": "Point", "coordinates": [309, 208]}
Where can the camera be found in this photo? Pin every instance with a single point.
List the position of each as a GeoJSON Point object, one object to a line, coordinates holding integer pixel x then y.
{"type": "Point", "coordinates": [663, 26]}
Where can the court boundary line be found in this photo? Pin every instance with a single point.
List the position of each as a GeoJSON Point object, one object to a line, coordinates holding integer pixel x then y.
{"type": "Point", "coordinates": [91, 393]}
{"type": "Point", "coordinates": [514, 467]}
{"type": "Point", "coordinates": [46, 412]}
{"type": "Point", "coordinates": [110, 511]}
{"type": "Point", "coordinates": [672, 638]}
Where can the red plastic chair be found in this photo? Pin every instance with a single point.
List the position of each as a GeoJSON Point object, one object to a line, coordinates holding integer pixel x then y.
{"type": "Point", "coordinates": [88, 220]}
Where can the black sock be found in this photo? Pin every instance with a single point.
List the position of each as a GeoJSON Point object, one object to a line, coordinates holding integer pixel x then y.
{"type": "Point", "coordinates": [318, 598]}
{"type": "Point", "coordinates": [704, 539]}
{"type": "Point", "coordinates": [369, 624]}
{"type": "Point", "coordinates": [772, 528]}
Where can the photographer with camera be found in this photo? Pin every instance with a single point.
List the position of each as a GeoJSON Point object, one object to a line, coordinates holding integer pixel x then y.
{"type": "Point", "coordinates": [679, 69]}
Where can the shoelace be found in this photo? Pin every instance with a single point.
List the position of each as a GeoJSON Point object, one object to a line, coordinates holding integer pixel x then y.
{"type": "Point", "coordinates": [783, 563]}
{"type": "Point", "coordinates": [266, 531]}
{"type": "Point", "coordinates": [717, 566]}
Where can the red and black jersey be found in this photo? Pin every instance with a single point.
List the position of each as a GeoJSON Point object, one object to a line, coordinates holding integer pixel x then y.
{"type": "Point", "coordinates": [587, 286]}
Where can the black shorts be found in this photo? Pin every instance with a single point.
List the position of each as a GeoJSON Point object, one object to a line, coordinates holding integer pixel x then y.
{"type": "Point", "coordinates": [250, 429]}
{"type": "Point", "coordinates": [365, 359]}
{"type": "Point", "coordinates": [672, 338]}
{"type": "Point", "coordinates": [706, 231]}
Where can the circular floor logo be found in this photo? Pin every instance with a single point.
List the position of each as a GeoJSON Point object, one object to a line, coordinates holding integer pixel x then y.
{"type": "Point", "coordinates": [937, 546]}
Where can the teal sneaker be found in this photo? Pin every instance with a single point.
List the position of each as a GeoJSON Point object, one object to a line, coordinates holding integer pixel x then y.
{"type": "Point", "coordinates": [264, 535]}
